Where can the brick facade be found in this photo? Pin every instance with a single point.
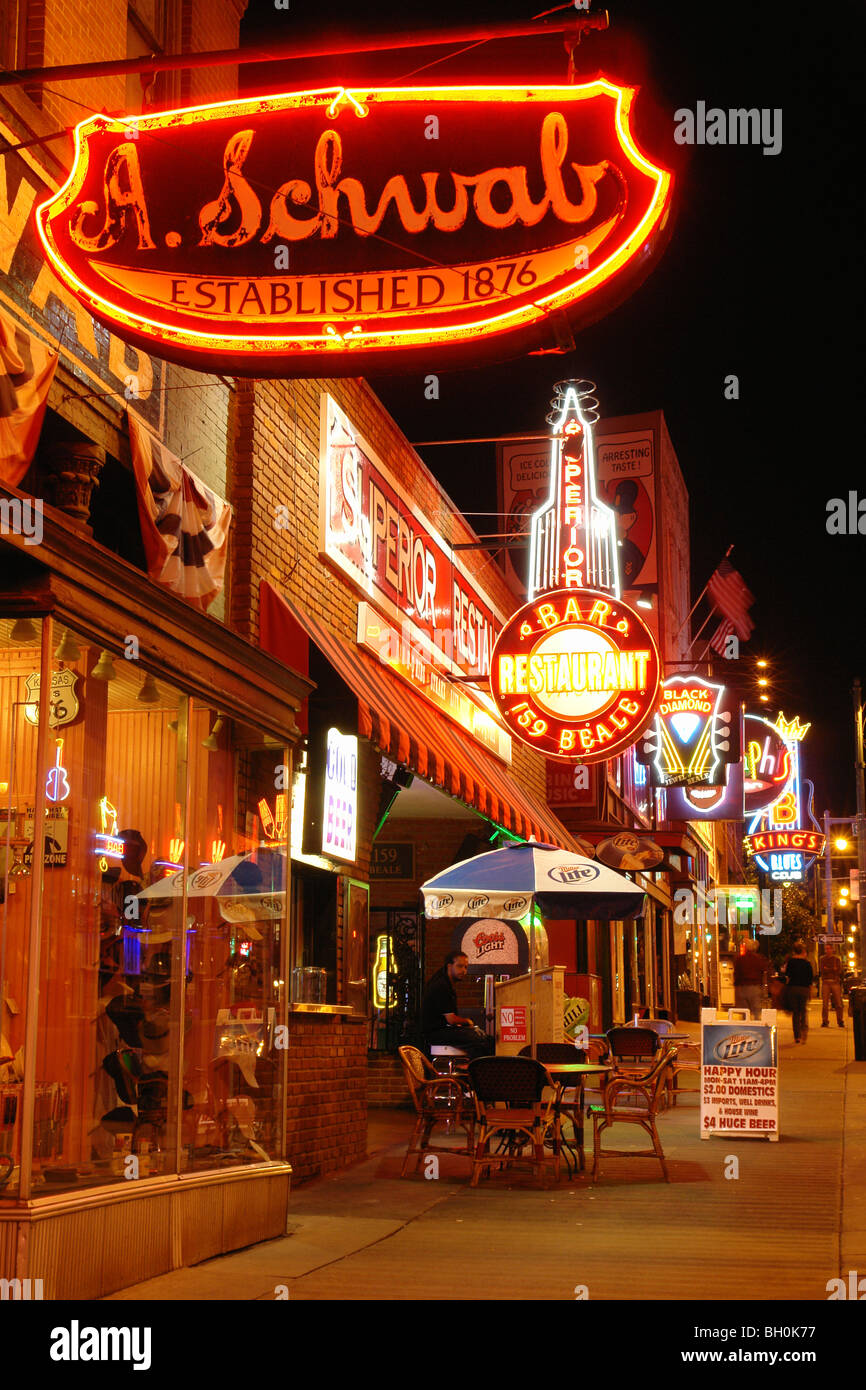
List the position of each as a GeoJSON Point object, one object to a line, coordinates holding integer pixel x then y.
{"type": "Point", "coordinates": [326, 1097]}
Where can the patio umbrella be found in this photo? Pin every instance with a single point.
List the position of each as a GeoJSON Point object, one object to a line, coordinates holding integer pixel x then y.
{"type": "Point", "coordinates": [506, 884]}
{"type": "Point", "coordinates": [262, 871]}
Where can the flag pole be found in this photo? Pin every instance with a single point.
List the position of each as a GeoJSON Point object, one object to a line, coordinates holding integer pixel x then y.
{"type": "Point", "coordinates": [697, 601]}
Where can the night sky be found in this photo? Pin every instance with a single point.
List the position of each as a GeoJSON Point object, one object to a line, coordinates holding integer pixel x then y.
{"type": "Point", "coordinates": [760, 279]}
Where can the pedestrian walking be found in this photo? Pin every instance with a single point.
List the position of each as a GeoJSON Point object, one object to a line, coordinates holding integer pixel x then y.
{"type": "Point", "coordinates": [799, 977]}
{"type": "Point", "coordinates": [830, 970]}
{"type": "Point", "coordinates": [750, 974]}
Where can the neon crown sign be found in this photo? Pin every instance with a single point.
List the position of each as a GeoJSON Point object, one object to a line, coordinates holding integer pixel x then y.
{"type": "Point", "coordinates": [779, 836]}
{"type": "Point", "coordinates": [575, 672]}
{"type": "Point", "coordinates": [332, 232]}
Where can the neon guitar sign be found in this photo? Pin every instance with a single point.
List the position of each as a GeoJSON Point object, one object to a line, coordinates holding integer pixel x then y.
{"type": "Point", "coordinates": [329, 232]}
{"type": "Point", "coordinates": [57, 786]}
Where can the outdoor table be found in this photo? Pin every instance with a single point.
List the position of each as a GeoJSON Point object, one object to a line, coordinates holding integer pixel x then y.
{"type": "Point", "coordinates": [567, 1073]}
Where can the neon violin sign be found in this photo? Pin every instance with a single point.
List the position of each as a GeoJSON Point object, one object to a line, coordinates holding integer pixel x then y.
{"type": "Point", "coordinates": [320, 233]}
{"type": "Point", "coordinates": [575, 672]}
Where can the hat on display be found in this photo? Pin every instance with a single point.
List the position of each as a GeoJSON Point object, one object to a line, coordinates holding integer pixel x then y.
{"type": "Point", "coordinates": [127, 1016]}
{"type": "Point", "coordinates": [119, 1121]}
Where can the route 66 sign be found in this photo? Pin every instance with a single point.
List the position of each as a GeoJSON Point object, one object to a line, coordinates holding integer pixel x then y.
{"type": "Point", "coordinates": [64, 703]}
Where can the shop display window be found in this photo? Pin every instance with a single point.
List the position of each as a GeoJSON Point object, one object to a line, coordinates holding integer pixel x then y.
{"type": "Point", "coordinates": [164, 886]}
{"type": "Point", "coordinates": [20, 650]}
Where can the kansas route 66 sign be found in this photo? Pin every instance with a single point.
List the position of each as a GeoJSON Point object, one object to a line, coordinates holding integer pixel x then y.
{"type": "Point", "coordinates": [64, 704]}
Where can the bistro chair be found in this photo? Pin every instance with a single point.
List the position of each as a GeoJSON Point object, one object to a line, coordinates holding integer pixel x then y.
{"type": "Point", "coordinates": [688, 1059]}
{"type": "Point", "coordinates": [632, 1049]}
{"type": "Point", "coordinates": [508, 1098]}
{"type": "Point", "coordinates": [649, 1093]}
{"type": "Point", "coordinates": [661, 1026]}
{"type": "Point", "coordinates": [437, 1100]}
{"type": "Point", "coordinates": [548, 1054]}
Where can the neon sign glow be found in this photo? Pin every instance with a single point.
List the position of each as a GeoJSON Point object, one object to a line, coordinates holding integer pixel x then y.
{"type": "Point", "coordinates": [773, 829]}
{"type": "Point", "coordinates": [575, 673]}
{"type": "Point", "coordinates": [307, 233]}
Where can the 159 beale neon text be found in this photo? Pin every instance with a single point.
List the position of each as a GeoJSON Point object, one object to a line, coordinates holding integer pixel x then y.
{"type": "Point", "coordinates": [576, 674]}
{"type": "Point", "coordinates": [322, 227]}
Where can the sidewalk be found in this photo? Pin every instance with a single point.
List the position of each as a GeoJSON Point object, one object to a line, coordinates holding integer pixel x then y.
{"type": "Point", "coordinates": [794, 1218]}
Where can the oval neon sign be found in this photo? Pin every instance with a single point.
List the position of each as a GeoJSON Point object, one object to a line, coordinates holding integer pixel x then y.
{"type": "Point", "coordinates": [576, 675]}
{"type": "Point", "coordinates": [331, 232]}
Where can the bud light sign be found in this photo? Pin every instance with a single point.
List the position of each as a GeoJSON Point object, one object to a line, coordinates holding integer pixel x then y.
{"type": "Point", "coordinates": [341, 796]}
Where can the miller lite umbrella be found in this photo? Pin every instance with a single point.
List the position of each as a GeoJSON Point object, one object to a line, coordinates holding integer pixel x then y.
{"type": "Point", "coordinates": [506, 884]}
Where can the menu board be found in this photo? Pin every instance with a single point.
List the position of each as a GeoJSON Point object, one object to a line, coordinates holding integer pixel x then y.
{"type": "Point", "coordinates": [739, 1075]}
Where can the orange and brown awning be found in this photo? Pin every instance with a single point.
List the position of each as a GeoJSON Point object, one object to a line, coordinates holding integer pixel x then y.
{"type": "Point", "coordinates": [409, 730]}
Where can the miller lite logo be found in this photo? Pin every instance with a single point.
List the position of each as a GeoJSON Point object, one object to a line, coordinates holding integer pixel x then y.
{"type": "Point", "coordinates": [515, 905]}
{"type": "Point", "coordinates": [436, 904]}
{"type": "Point", "coordinates": [738, 1046]}
{"type": "Point", "coordinates": [480, 900]}
{"type": "Point", "coordinates": [204, 879]}
{"type": "Point", "coordinates": [574, 873]}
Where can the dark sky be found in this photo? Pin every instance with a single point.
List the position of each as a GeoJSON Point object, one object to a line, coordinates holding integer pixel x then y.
{"type": "Point", "coordinates": [761, 278]}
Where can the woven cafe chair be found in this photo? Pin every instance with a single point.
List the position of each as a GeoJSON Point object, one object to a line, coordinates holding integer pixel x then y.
{"type": "Point", "coordinates": [548, 1054]}
{"type": "Point", "coordinates": [661, 1026]}
{"type": "Point", "coordinates": [437, 1099]}
{"type": "Point", "coordinates": [509, 1097]}
{"type": "Point", "coordinates": [649, 1093]}
{"type": "Point", "coordinates": [688, 1059]}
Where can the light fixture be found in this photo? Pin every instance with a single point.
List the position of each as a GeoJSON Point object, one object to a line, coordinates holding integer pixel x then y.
{"type": "Point", "coordinates": [67, 648]}
{"type": "Point", "coordinates": [765, 698]}
{"type": "Point", "coordinates": [24, 633]}
{"type": "Point", "coordinates": [104, 668]}
{"type": "Point", "coordinates": [149, 693]}
{"type": "Point", "coordinates": [211, 743]}
{"type": "Point", "coordinates": [840, 842]}
{"type": "Point", "coordinates": [173, 723]}
{"type": "Point", "coordinates": [762, 663]}
{"type": "Point", "coordinates": [762, 680]}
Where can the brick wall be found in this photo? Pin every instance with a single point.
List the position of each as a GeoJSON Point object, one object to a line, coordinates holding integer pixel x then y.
{"type": "Point", "coordinates": [385, 1082]}
{"type": "Point", "coordinates": [326, 1095]}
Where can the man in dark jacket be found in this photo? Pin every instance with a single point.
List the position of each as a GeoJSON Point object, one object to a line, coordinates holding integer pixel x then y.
{"type": "Point", "coordinates": [799, 977]}
{"type": "Point", "coordinates": [440, 1021]}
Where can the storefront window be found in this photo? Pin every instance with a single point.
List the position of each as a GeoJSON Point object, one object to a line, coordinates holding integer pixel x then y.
{"type": "Point", "coordinates": [20, 649]}
{"type": "Point", "coordinates": [164, 890]}
{"type": "Point", "coordinates": [236, 914]}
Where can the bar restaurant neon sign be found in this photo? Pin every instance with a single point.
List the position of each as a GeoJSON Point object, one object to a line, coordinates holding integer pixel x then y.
{"type": "Point", "coordinates": [575, 672]}
{"type": "Point", "coordinates": [328, 232]}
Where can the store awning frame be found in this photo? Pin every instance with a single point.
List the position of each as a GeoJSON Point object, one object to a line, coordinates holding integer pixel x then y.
{"type": "Point", "coordinates": [406, 728]}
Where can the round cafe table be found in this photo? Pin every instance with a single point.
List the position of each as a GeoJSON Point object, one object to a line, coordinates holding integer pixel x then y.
{"type": "Point", "coordinates": [568, 1074]}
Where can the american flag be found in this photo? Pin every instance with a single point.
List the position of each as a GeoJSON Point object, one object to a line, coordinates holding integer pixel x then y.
{"type": "Point", "coordinates": [724, 630]}
{"type": "Point", "coordinates": [729, 593]}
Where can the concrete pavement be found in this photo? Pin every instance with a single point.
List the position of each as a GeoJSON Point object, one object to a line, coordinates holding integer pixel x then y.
{"type": "Point", "coordinates": [793, 1219]}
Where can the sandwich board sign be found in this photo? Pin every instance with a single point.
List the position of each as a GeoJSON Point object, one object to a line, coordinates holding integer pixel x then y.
{"type": "Point", "coordinates": [739, 1075]}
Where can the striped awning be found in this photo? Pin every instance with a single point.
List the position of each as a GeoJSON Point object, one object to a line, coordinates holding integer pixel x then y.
{"type": "Point", "coordinates": [411, 731]}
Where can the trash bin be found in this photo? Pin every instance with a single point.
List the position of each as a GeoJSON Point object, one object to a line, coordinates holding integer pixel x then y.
{"type": "Point", "coordinates": [857, 1006]}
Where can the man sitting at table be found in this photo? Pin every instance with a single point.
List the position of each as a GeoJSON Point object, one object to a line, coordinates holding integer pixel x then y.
{"type": "Point", "coordinates": [440, 1021]}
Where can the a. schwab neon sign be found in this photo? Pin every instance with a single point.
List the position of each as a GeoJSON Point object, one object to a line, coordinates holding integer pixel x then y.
{"type": "Point", "coordinates": [328, 232]}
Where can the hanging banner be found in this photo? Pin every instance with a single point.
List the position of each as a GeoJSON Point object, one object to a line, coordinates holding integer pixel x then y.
{"type": "Point", "coordinates": [338, 232]}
